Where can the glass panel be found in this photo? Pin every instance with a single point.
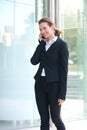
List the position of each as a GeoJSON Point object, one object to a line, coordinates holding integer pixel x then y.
{"type": "Point", "coordinates": [41, 9]}
{"type": "Point", "coordinates": [84, 54]}
{"type": "Point", "coordinates": [73, 15]}
{"type": "Point", "coordinates": [18, 39]}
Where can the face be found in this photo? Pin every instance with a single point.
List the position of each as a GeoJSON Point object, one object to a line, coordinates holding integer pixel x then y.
{"type": "Point", "coordinates": [45, 30]}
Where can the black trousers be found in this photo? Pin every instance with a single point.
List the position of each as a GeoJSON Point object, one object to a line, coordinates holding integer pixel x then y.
{"type": "Point", "coordinates": [46, 97]}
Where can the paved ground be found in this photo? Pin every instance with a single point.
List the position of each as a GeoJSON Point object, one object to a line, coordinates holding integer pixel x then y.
{"type": "Point", "coordinates": [74, 125]}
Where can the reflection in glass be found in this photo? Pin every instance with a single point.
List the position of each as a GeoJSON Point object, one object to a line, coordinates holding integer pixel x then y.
{"type": "Point", "coordinates": [72, 23]}
{"type": "Point", "coordinates": [18, 37]}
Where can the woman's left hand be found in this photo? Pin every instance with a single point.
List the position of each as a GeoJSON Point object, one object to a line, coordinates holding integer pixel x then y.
{"type": "Point", "coordinates": [60, 101]}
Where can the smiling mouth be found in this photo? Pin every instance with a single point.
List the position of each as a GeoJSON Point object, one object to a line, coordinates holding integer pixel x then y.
{"type": "Point", "coordinates": [43, 37]}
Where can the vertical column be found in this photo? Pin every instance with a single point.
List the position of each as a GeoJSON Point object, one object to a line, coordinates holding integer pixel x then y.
{"type": "Point", "coordinates": [85, 54]}
{"type": "Point", "coordinates": [80, 48]}
{"type": "Point", "coordinates": [51, 10]}
{"type": "Point", "coordinates": [54, 11]}
{"type": "Point", "coordinates": [57, 13]}
{"type": "Point", "coordinates": [13, 36]}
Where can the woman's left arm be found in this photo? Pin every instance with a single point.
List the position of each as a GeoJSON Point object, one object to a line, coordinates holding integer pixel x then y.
{"type": "Point", "coordinates": [63, 69]}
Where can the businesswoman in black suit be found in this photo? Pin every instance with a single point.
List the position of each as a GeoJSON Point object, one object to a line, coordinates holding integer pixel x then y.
{"type": "Point", "coordinates": [51, 77]}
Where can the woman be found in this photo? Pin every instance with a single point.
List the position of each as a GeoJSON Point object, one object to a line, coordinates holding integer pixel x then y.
{"type": "Point", "coordinates": [51, 77]}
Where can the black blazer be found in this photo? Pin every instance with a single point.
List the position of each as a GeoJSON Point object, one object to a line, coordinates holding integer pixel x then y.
{"type": "Point", "coordinates": [55, 63]}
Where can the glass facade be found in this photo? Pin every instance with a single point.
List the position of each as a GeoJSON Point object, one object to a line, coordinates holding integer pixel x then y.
{"type": "Point", "coordinates": [73, 24]}
{"type": "Point", "coordinates": [18, 39]}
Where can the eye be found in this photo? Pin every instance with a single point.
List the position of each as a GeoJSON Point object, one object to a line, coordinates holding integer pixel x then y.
{"type": "Point", "coordinates": [44, 28]}
{"type": "Point", "coordinates": [40, 30]}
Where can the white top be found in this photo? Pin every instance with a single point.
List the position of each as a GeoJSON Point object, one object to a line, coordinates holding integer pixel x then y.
{"type": "Point", "coordinates": [47, 46]}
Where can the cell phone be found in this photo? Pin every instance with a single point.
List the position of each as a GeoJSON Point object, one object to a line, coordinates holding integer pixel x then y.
{"type": "Point", "coordinates": [43, 37]}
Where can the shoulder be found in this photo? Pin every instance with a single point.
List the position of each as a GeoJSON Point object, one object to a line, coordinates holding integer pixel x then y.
{"type": "Point", "coordinates": [61, 42]}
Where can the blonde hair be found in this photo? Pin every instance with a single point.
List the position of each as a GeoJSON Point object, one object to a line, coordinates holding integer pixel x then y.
{"type": "Point", "coordinates": [50, 23]}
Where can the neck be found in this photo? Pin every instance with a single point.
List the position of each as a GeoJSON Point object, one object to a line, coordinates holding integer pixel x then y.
{"type": "Point", "coordinates": [50, 38]}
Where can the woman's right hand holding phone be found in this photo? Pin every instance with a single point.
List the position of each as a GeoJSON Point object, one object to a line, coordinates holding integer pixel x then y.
{"type": "Point", "coordinates": [41, 37]}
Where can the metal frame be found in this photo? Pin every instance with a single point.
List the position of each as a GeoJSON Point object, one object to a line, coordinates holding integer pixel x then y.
{"type": "Point", "coordinates": [54, 11]}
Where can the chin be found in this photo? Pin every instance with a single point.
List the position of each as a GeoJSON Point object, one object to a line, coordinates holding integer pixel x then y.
{"type": "Point", "coordinates": [46, 37]}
